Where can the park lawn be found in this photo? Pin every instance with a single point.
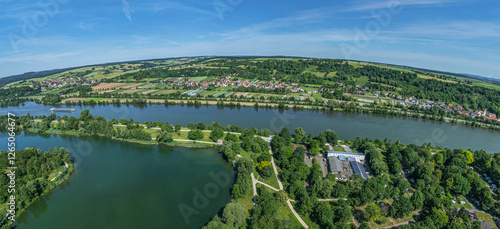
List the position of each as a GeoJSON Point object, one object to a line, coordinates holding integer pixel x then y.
{"type": "Point", "coordinates": [391, 221]}
{"type": "Point", "coordinates": [247, 201]}
{"type": "Point", "coordinates": [244, 153]}
{"type": "Point", "coordinates": [338, 148]}
{"type": "Point", "coordinates": [271, 181]}
{"type": "Point", "coordinates": [154, 132]}
{"type": "Point", "coordinates": [184, 136]}
{"type": "Point", "coordinates": [486, 217]}
{"type": "Point", "coordinates": [458, 205]}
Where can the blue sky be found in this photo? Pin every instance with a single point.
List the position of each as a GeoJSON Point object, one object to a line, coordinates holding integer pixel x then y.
{"type": "Point", "coordinates": [450, 35]}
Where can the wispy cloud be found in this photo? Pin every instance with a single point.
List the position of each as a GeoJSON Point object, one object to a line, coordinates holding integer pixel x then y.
{"type": "Point", "coordinates": [367, 5]}
{"type": "Point", "coordinates": [42, 58]}
{"type": "Point", "coordinates": [300, 18]}
{"type": "Point", "coordinates": [126, 10]}
{"type": "Point", "coordinates": [456, 30]}
{"type": "Point", "coordinates": [168, 5]}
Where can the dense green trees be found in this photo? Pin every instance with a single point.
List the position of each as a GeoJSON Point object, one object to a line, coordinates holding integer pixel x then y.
{"type": "Point", "coordinates": [233, 216]}
{"type": "Point", "coordinates": [243, 184]}
{"type": "Point", "coordinates": [195, 134]}
{"type": "Point", "coordinates": [32, 175]}
{"type": "Point", "coordinates": [164, 137]}
{"type": "Point", "coordinates": [216, 134]}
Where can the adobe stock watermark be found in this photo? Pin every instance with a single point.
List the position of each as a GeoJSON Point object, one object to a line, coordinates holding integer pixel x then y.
{"type": "Point", "coordinates": [363, 37]}
{"type": "Point", "coordinates": [223, 6]}
{"type": "Point", "coordinates": [280, 120]}
{"type": "Point", "coordinates": [31, 24]}
{"type": "Point", "coordinates": [201, 198]}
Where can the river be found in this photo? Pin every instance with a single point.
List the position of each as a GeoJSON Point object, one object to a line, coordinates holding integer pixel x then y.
{"type": "Point", "coordinates": [347, 125]}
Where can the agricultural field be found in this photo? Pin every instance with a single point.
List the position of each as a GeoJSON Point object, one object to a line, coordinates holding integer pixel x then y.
{"type": "Point", "coordinates": [200, 78]}
{"type": "Point", "coordinates": [362, 80]}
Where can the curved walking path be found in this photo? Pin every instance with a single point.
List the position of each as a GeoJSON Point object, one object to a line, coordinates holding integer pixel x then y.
{"type": "Point", "coordinates": [398, 224]}
{"type": "Point", "coordinates": [254, 181]}
{"type": "Point", "coordinates": [322, 200]}
{"type": "Point", "coordinates": [269, 186]}
{"type": "Point", "coordinates": [185, 140]}
{"type": "Point", "coordinates": [289, 203]}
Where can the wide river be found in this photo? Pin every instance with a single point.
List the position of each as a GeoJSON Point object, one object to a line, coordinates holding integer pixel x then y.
{"type": "Point", "coordinates": [347, 125]}
{"type": "Point", "coordinates": [126, 185]}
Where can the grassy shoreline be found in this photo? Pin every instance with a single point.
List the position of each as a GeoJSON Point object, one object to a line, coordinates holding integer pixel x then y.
{"type": "Point", "coordinates": [152, 142]}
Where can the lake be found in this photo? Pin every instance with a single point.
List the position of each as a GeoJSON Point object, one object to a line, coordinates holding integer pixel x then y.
{"type": "Point", "coordinates": [125, 185]}
{"type": "Point", "coordinates": [347, 125]}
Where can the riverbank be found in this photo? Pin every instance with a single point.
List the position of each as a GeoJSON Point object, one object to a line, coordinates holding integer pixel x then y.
{"type": "Point", "coordinates": [324, 105]}
{"type": "Point", "coordinates": [152, 142]}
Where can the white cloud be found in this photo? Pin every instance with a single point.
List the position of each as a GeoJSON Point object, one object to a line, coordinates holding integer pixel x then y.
{"type": "Point", "coordinates": [301, 17]}
{"type": "Point", "coordinates": [126, 10]}
{"type": "Point", "coordinates": [367, 5]}
{"type": "Point", "coordinates": [457, 30]}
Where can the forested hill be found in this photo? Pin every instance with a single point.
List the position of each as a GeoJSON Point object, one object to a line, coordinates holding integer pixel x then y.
{"type": "Point", "coordinates": [30, 75]}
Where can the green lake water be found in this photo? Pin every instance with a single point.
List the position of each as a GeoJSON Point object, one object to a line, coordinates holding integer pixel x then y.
{"type": "Point", "coordinates": [125, 185]}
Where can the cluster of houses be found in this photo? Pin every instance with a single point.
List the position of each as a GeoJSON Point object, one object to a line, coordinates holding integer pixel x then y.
{"type": "Point", "coordinates": [181, 66]}
{"type": "Point", "coordinates": [446, 107]}
{"type": "Point", "coordinates": [483, 114]}
{"type": "Point", "coordinates": [343, 165]}
{"type": "Point", "coordinates": [226, 82]}
{"type": "Point", "coordinates": [70, 81]}
{"type": "Point", "coordinates": [488, 179]}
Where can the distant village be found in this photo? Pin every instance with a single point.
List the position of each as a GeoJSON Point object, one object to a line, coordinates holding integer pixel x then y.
{"type": "Point", "coordinates": [271, 85]}
{"type": "Point", "coordinates": [70, 81]}
{"type": "Point", "coordinates": [226, 82]}
{"type": "Point", "coordinates": [408, 101]}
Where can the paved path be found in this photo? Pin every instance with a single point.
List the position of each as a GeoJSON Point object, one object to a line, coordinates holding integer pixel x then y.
{"type": "Point", "coordinates": [185, 140]}
{"type": "Point", "coordinates": [207, 131]}
{"type": "Point", "coordinates": [322, 200]}
{"type": "Point", "coordinates": [275, 170]}
{"type": "Point", "coordinates": [297, 215]}
{"type": "Point", "coordinates": [269, 186]}
{"type": "Point", "coordinates": [281, 188]}
{"type": "Point", "coordinates": [254, 182]}
{"type": "Point", "coordinates": [399, 224]}
{"type": "Point", "coordinates": [66, 165]}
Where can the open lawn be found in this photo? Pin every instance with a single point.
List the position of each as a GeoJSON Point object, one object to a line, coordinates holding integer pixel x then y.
{"type": "Point", "coordinates": [271, 181]}
{"type": "Point", "coordinates": [458, 205]}
{"type": "Point", "coordinates": [338, 148]}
